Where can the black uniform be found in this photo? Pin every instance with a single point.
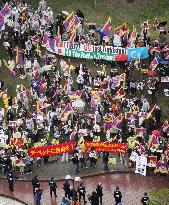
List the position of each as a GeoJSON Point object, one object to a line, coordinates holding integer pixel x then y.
{"type": "Point", "coordinates": [35, 184]}
{"type": "Point", "coordinates": [99, 191]}
{"type": "Point", "coordinates": [117, 196]}
{"type": "Point", "coordinates": [66, 188]}
{"type": "Point", "coordinates": [10, 181]}
{"type": "Point", "coordinates": [81, 191]}
{"type": "Point", "coordinates": [53, 186]}
{"type": "Point", "coordinates": [94, 200]}
{"type": "Point", "coordinates": [144, 200]}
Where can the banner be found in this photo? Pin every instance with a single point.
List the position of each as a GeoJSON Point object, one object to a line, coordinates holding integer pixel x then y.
{"type": "Point", "coordinates": [89, 51]}
{"type": "Point", "coordinates": [52, 150]}
{"type": "Point", "coordinates": [106, 146]}
{"type": "Point", "coordinates": [141, 163]}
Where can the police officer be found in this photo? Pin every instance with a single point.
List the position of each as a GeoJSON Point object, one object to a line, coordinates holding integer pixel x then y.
{"type": "Point", "coordinates": [117, 195]}
{"type": "Point", "coordinates": [145, 199]}
{"type": "Point", "coordinates": [82, 191]}
{"type": "Point", "coordinates": [53, 186]}
{"type": "Point", "coordinates": [35, 184]}
{"type": "Point", "coordinates": [99, 191]}
{"type": "Point", "coordinates": [10, 180]}
{"type": "Point", "coordinates": [66, 188]}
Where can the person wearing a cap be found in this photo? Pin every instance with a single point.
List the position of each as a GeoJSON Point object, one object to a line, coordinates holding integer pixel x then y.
{"type": "Point", "coordinates": [82, 191]}
{"type": "Point", "coordinates": [99, 191]}
{"type": "Point", "coordinates": [35, 184]}
{"type": "Point", "coordinates": [117, 196]}
{"type": "Point", "coordinates": [145, 199]}
{"type": "Point", "coordinates": [53, 186]}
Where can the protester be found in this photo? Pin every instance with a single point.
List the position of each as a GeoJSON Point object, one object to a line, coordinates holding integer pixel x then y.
{"type": "Point", "coordinates": [64, 101]}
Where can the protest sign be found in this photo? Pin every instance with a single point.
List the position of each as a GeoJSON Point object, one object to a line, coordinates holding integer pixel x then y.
{"type": "Point", "coordinates": [133, 156]}
{"type": "Point", "coordinates": [106, 146]}
{"type": "Point", "coordinates": [141, 163]}
{"type": "Point", "coordinates": [51, 150]}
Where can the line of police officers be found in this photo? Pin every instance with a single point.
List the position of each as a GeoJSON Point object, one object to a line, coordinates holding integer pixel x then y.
{"type": "Point", "coordinates": [95, 198]}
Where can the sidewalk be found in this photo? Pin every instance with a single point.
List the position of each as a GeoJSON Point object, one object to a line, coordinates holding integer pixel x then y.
{"type": "Point", "coordinates": [59, 169]}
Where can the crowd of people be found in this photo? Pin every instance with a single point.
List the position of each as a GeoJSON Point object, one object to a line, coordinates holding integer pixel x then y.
{"type": "Point", "coordinates": [68, 101]}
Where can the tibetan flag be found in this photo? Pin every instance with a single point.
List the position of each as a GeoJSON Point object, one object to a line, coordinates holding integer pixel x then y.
{"type": "Point", "coordinates": [72, 38]}
{"type": "Point", "coordinates": [147, 25]}
{"type": "Point", "coordinates": [117, 122]}
{"type": "Point", "coordinates": [155, 25]}
{"type": "Point", "coordinates": [45, 39]}
{"type": "Point", "coordinates": [77, 21]}
{"type": "Point", "coordinates": [1, 20]}
{"type": "Point", "coordinates": [11, 72]}
{"type": "Point", "coordinates": [6, 10]}
{"type": "Point", "coordinates": [58, 38]}
{"type": "Point", "coordinates": [166, 48]}
{"type": "Point", "coordinates": [107, 27]}
{"type": "Point", "coordinates": [25, 90]}
{"type": "Point", "coordinates": [119, 94]}
{"type": "Point", "coordinates": [107, 125]}
{"type": "Point", "coordinates": [121, 30]}
{"type": "Point", "coordinates": [165, 126]}
{"type": "Point", "coordinates": [35, 72]}
{"type": "Point", "coordinates": [153, 141]}
{"type": "Point", "coordinates": [14, 101]}
{"type": "Point", "coordinates": [36, 38]}
{"type": "Point", "coordinates": [69, 21]}
{"type": "Point", "coordinates": [154, 63]}
{"type": "Point", "coordinates": [51, 44]}
{"type": "Point", "coordinates": [150, 112]}
{"type": "Point", "coordinates": [67, 111]}
{"type": "Point", "coordinates": [134, 33]}
{"type": "Point", "coordinates": [19, 56]}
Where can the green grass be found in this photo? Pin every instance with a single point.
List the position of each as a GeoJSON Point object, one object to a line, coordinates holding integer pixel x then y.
{"type": "Point", "coordinates": [159, 197]}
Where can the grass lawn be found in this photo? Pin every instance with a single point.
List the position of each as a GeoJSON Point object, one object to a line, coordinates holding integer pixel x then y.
{"type": "Point", "coordinates": [98, 14]}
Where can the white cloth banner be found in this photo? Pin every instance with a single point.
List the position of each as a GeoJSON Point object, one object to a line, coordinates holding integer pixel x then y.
{"type": "Point", "coordinates": [141, 163]}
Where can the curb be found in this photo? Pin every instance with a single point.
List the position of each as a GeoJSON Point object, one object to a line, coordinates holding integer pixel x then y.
{"type": "Point", "coordinates": [11, 197]}
{"type": "Point", "coordinates": [82, 176]}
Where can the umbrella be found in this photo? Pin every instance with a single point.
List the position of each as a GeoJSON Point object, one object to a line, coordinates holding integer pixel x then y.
{"type": "Point", "coordinates": [46, 68]}
{"type": "Point", "coordinates": [163, 23]}
{"type": "Point", "coordinates": [65, 13]}
{"type": "Point", "coordinates": [71, 67]}
{"type": "Point", "coordinates": [156, 132]}
{"type": "Point", "coordinates": [152, 73]}
{"type": "Point", "coordinates": [78, 103]}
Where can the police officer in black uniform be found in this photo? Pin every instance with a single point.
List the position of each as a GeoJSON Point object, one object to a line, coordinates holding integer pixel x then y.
{"type": "Point", "coordinates": [99, 191]}
{"type": "Point", "coordinates": [82, 191]}
{"type": "Point", "coordinates": [66, 188]}
{"type": "Point", "coordinates": [53, 186]}
{"type": "Point", "coordinates": [35, 184]}
{"type": "Point", "coordinates": [10, 180]}
{"type": "Point", "coordinates": [117, 195]}
{"type": "Point", "coordinates": [145, 199]}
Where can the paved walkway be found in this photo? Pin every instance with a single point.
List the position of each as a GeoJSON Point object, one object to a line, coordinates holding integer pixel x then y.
{"type": "Point", "coordinates": [8, 201]}
{"type": "Point", "coordinates": [131, 185]}
{"type": "Point", "coordinates": [60, 169]}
